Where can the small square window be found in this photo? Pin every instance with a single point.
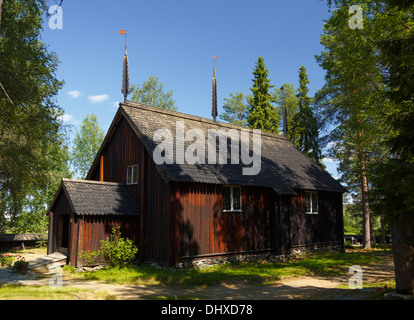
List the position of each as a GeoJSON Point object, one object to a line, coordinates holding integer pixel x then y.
{"type": "Point", "coordinates": [311, 202]}
{"type": "Point", "coordinates": [132, 175]}
{"type": "Point", "coordinates": [232, 200]}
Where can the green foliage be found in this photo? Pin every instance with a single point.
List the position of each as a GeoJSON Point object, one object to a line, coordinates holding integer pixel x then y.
{"type": "Point", "coordinates": [118, 252]}
{"type": "Point", "coordinates": [86, 145]}
{"type": "Point", "coordinates": [41, 244]}
{"type": "Point", "coordinates": [6, 260]}
{"type": "Point", "coordinates": [353, 219]}
{"type": "Point", "coordinates": [23, 292]}
{"type": "Point", "coordinates": [262, 114]}
{"type": "Point", "coordinates": [151, 92]}
{"type": "Point", "coordinates": [90, 258]}
{"type": "Point", "coordinates": [394, 175]}
{"type": "Point", "coordinates": [305, 128]}
{"type": "Point", "coordinates": [287, 96]}
{"type": "Point", "coordinates": [20, 262]}
{"type": "Point", "coordinates": [370, 97]}
{"type": "Point", "coordinates": [350, 99]}
{"type": "Point", "coordinates": [32, 147]}
{"type": "Point", "coordinates": [393, 187]}
{"type": "Point", "coordinates": [236, 109]}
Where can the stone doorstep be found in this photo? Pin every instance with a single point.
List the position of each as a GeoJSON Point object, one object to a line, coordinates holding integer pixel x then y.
{"type": "Point", "coordinates": [48, 268]}
{"type": "Point", "coordinates": [48, 262]}
{"type": "Point", "coordinates": [396, 296]}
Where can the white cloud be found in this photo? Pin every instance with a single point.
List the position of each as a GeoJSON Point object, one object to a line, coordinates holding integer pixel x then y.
{"type": "Point", "coordinates": [74, 94]}
{"type": "Point", "coordinates": [67, 118]}
{"type": "Point", "coordinates": [98, 98]}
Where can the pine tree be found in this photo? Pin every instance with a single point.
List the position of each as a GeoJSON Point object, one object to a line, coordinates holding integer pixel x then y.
{"type": "Point", "coordinates": [369, 97]}
{"type": "Point", "coordinates": [262, 114]}
{"type": "Point", "coordinates": [235, 109]}
{"type": "Point", "coordinates": [305, 126]}
{"type": "Point", "coordinates": [352, 96]}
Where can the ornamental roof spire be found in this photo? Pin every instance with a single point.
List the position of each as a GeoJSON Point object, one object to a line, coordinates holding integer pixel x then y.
{"type": "Point", "coordinates": [125, 71]}
{"type": "Point", "coordinates": [214, 112]}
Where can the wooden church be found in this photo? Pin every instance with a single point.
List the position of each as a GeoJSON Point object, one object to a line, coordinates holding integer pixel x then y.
{"type": "Point", "coordinates": [179, 211]}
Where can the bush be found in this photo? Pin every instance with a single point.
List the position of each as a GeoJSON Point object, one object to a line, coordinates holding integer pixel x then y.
{"type": "Point", "coordinates": [91, 258]}
{"type": "Point", "coordinates": [6, 260]}
{"type": "Point", "coordinates": [118, 252]}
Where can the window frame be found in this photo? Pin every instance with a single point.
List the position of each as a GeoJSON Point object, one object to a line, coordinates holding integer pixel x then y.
{"type": "Point", "coordinates": [134, 174]}
{"type": "Point", "coordinates": [311, 193]}
{"type": "Point", "coordinates": [232, 187]}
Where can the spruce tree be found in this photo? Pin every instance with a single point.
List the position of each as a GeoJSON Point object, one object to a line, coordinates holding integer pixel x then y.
{"type": "Point", "coordinates": [305, 123]}
{"type": "Point", "coordinates": [262, 114]}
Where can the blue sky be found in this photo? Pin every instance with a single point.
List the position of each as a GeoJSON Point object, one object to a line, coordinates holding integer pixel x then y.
{"type": "Point", "coordinates": [174, 40]}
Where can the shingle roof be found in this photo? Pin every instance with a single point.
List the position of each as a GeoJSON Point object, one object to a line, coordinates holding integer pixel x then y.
{"type": "Point", "coordinates": [22, 237]}
{"type": "Point", "coordinates": [283, 167]}
{"type": "Point", "coordinates": [99, 198]}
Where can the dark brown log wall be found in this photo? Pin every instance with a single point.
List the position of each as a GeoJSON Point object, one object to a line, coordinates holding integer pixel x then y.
{"type": "Point", "coordinates": [124, 149]}
{"type": "Point", "coordinates": [203, 229]}
{"type": "Point", "coordinates": [323, 228]}
{"type": "Point", "coordinates": [280, 224]}
{"type": "Point", "coordinates": [155, 213]}
{"type": "Point", "coordinates": [88, 231]}
{"type": "Point", "coordinates": [151, 193]}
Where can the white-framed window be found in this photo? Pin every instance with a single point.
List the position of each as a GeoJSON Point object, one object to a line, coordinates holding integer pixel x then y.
{"type": "Point", "coordinates": [311, 202]}
{"type": "Point", "coordinates": [232, 198]}
{"type": "Point", "coordinates": [132, 174]}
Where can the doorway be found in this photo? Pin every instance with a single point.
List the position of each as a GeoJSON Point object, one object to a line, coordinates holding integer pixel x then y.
{"type": "Point", "coordinates": [63, 234]}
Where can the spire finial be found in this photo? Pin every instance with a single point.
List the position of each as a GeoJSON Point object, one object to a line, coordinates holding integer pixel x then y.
{"type": "Point", "coordinates": [125, 70]}
{"type": "Point", "coordinates": [214, 112]}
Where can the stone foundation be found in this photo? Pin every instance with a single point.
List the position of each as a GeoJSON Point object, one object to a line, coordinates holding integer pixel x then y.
{"type": "Point", "coordinates": [250, 257]}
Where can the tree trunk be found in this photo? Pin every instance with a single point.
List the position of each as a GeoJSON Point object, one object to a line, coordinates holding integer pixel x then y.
{"type": "Point", "coordinates": [364, 195]}
{"type": "Point", "coordinates": [2, 205]}
{"type": "Point", "coordinates": [383, 235]}
{"type": "Point", "coordinates": [403, 251]}
{"type": "Point", "coordinates": [371, 225]}
{"type": "Point", "coordinates": [366, 221]}
{"type": "Point", "coordinates": [366, 217]}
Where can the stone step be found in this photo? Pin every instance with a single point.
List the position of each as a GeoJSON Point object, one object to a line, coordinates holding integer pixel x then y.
{"type": "Point", "coordinates": [48, 262]}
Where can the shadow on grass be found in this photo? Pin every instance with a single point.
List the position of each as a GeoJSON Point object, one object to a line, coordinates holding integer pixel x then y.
{"type": "Point", "coordinates": [262, 272]}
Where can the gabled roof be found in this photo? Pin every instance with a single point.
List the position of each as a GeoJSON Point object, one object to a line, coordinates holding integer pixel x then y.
{"type": "Point", "coordinates": [283, 167]}
{"type": "Point", "coordinates": [87, 197]}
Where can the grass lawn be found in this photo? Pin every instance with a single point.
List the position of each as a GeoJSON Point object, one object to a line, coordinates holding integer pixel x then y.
{"type": "Point", "coordinates": [260, 273]}
{"type": "Point", "coordinates": [22, 292]}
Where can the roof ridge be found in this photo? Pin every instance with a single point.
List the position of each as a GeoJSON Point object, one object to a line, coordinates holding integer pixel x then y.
{"type": "Point", "coordinates": [92, 182]}
{"type": "Point", "coordinates": [193, 117]}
